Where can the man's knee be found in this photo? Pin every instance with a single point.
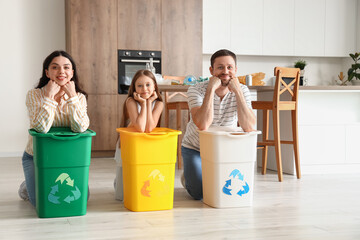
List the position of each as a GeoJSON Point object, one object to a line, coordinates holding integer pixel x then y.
{"type": "Point", "coordinates": [194, 189]}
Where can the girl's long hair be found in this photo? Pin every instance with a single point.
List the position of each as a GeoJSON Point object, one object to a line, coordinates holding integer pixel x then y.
{"type": "Point", "coordinates": [138, 74]}
{"type": "Point", "coordinates": [44, 79]}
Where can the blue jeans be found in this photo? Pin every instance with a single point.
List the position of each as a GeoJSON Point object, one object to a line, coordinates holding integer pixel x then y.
{"type": "Point", "coordinates": [29, 172]}
{"type": "Point", "coordinates": [192, 172]}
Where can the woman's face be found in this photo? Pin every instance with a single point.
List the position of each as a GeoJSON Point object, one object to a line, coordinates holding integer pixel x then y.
{"type": "Point", "coordinates": [60, 70]}
{"type": "Point", "coordinates": [144, 86]}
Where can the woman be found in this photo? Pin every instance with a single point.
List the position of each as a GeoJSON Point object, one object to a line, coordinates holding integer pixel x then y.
{"type": "Point", "coordinates": [57, 101]}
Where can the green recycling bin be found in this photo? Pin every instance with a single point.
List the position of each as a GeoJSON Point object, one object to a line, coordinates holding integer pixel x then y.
{"type": "Point", "coordinates": [62, 160]}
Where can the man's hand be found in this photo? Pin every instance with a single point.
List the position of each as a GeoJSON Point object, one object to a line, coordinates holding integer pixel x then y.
{"type": "Point", "coordinates": [234, 85]}
{"type": "Point", "coordinates": [214, 82]}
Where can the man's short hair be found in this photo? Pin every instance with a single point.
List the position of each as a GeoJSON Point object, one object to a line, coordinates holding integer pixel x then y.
{"type": "Point", "coordinates": [221, 53]}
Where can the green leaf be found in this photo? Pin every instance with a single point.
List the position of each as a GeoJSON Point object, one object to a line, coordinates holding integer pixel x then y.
{"type": "Point", "coordinates": [355, 66]}
{"type": "Point", "coordinates": [350, 76]}
{"type": "Point", "coordinates": [357, 76]}
{"type": "Point", "coordinates": [352, 56]}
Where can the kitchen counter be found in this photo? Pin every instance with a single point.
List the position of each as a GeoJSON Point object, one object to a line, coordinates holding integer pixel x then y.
{"type": "Point", "coordinates": [329, 128]}
{"type": "Point", "coordinates": [183, 88]}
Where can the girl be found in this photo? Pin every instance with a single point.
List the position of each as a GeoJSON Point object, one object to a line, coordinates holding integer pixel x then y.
{"type": "Point", "coordinates": [142, 110]}
{"type": "Point", "coordinates": [57, 101]}
{"type": "Point", "coordinates": [143, 106]}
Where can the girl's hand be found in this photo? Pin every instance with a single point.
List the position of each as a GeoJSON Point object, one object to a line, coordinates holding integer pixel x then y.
{"type": "Point", "coordinates": [51, 89]}
{"type": "Point", "coordinates": [153, 97]}
{"type": "Point", "coordinates": [138, 98]}
{"type": "Point", "coordinates": [69, 89]}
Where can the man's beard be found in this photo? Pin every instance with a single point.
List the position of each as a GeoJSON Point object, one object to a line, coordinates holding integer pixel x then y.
{"type": "Point", "coordinates": [224, 82]}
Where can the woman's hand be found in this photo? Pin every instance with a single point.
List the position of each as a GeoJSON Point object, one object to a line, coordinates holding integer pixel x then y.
{"type": "Point", "coordinates": [138, 98]}
{"type": "Point", "coordinates": [51, 89]}
{"type": "Point", "coordinates": [69, 89]}
{"type": "Point", "coordinates": [153, 97]}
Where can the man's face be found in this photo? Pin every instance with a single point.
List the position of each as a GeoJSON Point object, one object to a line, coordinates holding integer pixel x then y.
{"type": "Point", "coordinates": [224, 68]}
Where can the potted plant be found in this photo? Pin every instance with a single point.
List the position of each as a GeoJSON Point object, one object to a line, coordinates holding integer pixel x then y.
{"type": "Point", "coordinates": [354, 71]}
{"type": "Point", "coordinates": [301, 63]}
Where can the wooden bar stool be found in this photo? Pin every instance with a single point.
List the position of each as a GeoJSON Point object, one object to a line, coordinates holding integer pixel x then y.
{"type": "Point", "coordinates": [178, 106]}
{"type": "Point", "coordinates": [287, 80]}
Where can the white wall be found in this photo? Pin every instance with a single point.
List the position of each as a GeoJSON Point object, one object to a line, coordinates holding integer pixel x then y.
{"type": "Point", "coordinates": [358, 26]}
{"type": "Point", "coordinates": [319, 71]}
{"type": "Point", "coordinates": [30, 30]}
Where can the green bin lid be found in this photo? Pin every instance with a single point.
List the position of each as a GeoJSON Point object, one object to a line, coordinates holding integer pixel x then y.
{"type": "Point", "coordinates": [62, 133]}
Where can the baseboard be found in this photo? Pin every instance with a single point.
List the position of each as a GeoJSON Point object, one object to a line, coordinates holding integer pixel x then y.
{"type": "Point", "coordinates": [11, 154]}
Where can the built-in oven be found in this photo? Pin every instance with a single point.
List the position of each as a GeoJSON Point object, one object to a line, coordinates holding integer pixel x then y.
{"type": "Point", "coordinates": [130, 61]}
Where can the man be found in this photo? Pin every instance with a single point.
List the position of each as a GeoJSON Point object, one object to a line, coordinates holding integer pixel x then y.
{"type": "Point", "coordinates": [221, 101]}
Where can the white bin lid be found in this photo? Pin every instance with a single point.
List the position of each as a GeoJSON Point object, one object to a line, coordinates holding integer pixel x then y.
{"type": "Point", "coordinates": [223, 130]}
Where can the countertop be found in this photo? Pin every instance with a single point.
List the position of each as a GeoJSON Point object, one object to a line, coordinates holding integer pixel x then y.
{"type": "Point", "coordinates": [183, 88]}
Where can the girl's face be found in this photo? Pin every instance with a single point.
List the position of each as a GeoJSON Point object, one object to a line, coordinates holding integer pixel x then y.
{"type": "Point", "coordinates": [60, 70]}
{"type": "Point", "coordinates": [144, 86]}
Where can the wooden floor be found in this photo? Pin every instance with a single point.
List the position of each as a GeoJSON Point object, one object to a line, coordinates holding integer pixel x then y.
{"type": "Point", "coordinates": [315, 207]}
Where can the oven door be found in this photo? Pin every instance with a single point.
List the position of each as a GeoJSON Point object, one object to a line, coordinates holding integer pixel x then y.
{"type": "Point", "coordinates": [127, 69]}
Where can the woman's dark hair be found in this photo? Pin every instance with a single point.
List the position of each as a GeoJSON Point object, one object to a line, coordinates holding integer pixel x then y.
{"type": "Point", "coordinates": [44, 79]}
{"type": "Point", "coordinates": [131, 91]}
{"type": "Point", "coordinates": [221, 53]}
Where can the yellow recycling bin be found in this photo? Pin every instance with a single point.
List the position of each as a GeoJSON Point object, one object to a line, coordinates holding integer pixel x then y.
{"type": "Point", "coordinates": [148, 168]}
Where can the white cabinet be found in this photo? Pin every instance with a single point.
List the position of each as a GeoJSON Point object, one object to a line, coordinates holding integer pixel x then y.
{"type": "Point", "coordinates": [246, 27]}
{"type": "Point", "coordinates": [352, 143]}
{"type": "Point", "coordinates": [216, 25]}
{"type": "Point", "coordinates": [340, 27]}
{"type": "Point", "coordinates": [282, 27]}
{"type": "Point", "coordinates": [309, 28]}
{"type": "Point", "coordinates": [278, 27]}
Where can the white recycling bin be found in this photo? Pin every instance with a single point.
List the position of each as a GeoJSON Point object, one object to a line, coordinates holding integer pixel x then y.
{"type": "Point", "coordinates": [228, 157]}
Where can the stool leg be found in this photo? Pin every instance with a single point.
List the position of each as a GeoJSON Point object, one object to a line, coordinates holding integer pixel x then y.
{"type": "Point", "coordinates": [276, 125]}
{"type": "Point", "coordinates": [265, 137]}
{"type": "Point", "coordinates": [296, 142]}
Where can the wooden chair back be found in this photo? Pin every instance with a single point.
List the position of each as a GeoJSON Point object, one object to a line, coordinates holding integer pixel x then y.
{"type": "Point", "coordinates": [281, 86]}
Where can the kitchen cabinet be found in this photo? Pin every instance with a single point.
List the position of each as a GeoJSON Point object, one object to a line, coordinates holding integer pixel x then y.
{"type": "Point", "coordinates": [281, 27]}
{"type": "Point", "coordinates": [340, 27]}
{"type": "Point", "coordinates": [246, 26]}
{"type": "Point", "coordinates": [216, 25]}
{"type": "Point", "coordinates": [139, 25]}
{"type": "Point", "coordinates": [278, 27]}
{"type": "Point", "coordinates": [309, 28]}
{"type": "Point", "coordinates": [95, 30]}
{"type": "Point", "coordinates": [181, 38]}
{"type": "Point", "coordinates": [103, 114]}
{"type": "Point", "coordinates": [91, 40]}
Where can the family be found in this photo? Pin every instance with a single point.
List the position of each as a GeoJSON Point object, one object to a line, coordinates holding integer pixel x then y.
{"type": "Point", "coordinates": [59, 101]}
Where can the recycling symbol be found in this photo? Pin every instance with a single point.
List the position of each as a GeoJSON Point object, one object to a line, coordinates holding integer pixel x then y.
{"type": "Point", "coordinates": [155, 184]}
{"type": "Point", "coordinates": [64, 183]}
{"type": "Point", "coordinates": [236, 184]}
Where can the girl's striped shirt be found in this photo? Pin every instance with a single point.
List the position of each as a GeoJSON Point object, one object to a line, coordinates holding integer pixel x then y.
{"type": "Point", "coordinates": [45, 113]}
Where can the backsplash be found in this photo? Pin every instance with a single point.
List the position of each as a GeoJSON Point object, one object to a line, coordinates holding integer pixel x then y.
{"type": "Point", "coordinates": [319, 71]}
